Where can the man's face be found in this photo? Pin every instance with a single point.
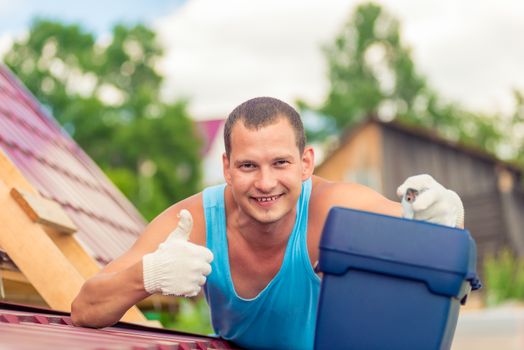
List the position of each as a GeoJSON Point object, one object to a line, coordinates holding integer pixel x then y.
{"type": "Point", "coordinates": [265, 170]}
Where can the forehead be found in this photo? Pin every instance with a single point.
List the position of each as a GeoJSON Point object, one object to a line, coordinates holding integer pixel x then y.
{"type": "Point", "coordinates": [276, 137]}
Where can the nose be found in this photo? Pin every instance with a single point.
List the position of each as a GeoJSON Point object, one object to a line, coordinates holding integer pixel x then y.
{"type": "Point", "coordinates": [266, 180]}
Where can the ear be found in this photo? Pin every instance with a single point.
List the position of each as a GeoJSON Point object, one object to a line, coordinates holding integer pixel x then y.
{"type": "Point", "coordinates": [225, 168]}
{"type": "Point", "coordinates": [308, 162]}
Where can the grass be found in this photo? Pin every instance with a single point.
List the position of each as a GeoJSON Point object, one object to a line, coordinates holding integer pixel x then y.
{"type": "Point", "coordinates": [503, 278]}
{"type": "Point", "coordinates": [190, 315]}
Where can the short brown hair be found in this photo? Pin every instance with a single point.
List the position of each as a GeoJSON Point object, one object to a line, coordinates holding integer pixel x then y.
{"type": "Point", "coordinates": [262, 111]}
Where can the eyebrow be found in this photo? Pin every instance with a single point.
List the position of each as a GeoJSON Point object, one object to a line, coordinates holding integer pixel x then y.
{"type": "Point", "coordinates": [244, 161]}
{"type": "Point", "coordinates": [282, 157]}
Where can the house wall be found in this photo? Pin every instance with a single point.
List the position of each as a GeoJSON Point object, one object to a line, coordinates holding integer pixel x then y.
{"type": "Point", "coordinates": [475, 179]}
{"type": "Point", "coordinates": [390, 155]}
{"type": "Point", "coordinates": [407, 154]}
{"type": "Point", "coordinates": [359, 160]}
{"type": "Point", "coordinates": [512, 207]}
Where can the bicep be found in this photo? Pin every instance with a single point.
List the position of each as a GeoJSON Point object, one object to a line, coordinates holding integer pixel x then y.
{"type": "Point", "coordinates": [360, 197]}
{"type": "Point", "coordinates": [157, 231]}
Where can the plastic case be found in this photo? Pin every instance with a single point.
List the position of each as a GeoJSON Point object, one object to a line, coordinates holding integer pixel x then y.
{"type": "Point", "coordinates": [391, 283]}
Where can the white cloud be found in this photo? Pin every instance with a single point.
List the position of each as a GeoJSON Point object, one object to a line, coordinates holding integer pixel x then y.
{"type": "Point", "coordinates": [472, 51]}
{"type": "Point", "coordinates": [6, 40]}
{"type": "Point", "coordinates": [6, 6]}
{"type": "Point", "coordinates": [223, 52]}
{"type": "Point", "coordinates": [220, 53]}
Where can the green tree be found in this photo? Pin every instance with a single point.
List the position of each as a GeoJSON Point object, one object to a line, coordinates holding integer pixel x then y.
{"type": "Point", "coordinates": [371, 72]}
{"type": "Point", "coordinates": [514, 130]}
{"type": "Point", "coordinates": [107, 96]}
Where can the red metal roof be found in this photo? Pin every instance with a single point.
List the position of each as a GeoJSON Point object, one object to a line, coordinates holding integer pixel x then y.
{"type": "Point", "coordinates": [23, 327]}
{"type": "Point", "coordinates": [60, 170]}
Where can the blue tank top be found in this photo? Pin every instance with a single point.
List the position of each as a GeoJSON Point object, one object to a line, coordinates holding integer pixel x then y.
{"type": "Point", "coordinates": [283, 314]}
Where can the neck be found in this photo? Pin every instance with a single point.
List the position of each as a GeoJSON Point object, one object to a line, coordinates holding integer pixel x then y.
{"type": "Point", "coordinates": [265, 236]}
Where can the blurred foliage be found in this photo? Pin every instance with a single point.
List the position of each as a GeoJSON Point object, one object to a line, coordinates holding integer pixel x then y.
{"type": "Point", "coordinates": [371, 72]}
{"type": "Point", "coordinates": [503, 278]}
{"type": "Point", "coordinates": [107, 96]}
{"type": "Point", "coordinates": [190, 316]}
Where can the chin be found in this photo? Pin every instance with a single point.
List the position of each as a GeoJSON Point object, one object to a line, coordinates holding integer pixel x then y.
{"type": "Point", "coordinates": [271, 216]}
{"type": "Point", "coordinates": [269, 219]}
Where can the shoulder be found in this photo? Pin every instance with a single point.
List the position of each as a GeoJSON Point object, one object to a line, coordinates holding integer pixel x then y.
{"type": "Point", "coordinates": [327, 194]}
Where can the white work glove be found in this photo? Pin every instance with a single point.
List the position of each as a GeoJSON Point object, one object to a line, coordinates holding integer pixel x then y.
{"type": "Point", "coordinates": [177, 267]}
{"type": "Point", "coordinates": [423, 198]}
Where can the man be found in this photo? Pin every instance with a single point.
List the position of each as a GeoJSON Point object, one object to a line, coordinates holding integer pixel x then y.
{"type": "Point", "coordinates": [263, 228]}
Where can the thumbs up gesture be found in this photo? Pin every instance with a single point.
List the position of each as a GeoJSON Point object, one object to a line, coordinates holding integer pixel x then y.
{"type": "Point", "coordinates": [177, 267]}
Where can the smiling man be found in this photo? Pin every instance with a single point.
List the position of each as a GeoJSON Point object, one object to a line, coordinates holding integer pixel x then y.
{"type": "Point", "coordinates": [255, 237]}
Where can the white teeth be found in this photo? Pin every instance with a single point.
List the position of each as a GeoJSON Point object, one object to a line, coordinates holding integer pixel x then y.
{"type": "Point", "coordinates": [267, 199]}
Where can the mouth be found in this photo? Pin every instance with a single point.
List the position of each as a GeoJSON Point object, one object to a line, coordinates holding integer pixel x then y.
{"type": "Point", "coordinates": [266, 200]}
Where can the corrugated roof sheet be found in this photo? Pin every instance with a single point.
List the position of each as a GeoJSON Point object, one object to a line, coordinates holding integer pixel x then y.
{"type": "Point", "coordinates": [23, 327]}
{"type": "Point", "coordinates": [60, 170]}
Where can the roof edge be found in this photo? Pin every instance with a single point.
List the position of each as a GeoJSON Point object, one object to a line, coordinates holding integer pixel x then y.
{"type": "Point", "coordinates": [426, 133]}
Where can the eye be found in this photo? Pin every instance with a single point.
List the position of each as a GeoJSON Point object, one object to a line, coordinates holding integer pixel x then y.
{"type": "Point", "coordinates": [281, 163]}
{"type": "Point", "coordinates": [247, 166]}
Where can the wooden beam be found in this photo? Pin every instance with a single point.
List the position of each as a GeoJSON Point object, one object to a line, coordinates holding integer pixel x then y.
{"type": "Point", "coordinates": [44, 211]}
{"type": "Point", "coordinates": [68, 245]}
{"type": "Point", "coordinates": [18, 289]}
{"type": "Point", "coordinates": [35, 254]}
{"type": "Point", "coordinates": [15, 276]}
{"type": "Point", "coordinates": [22, 293]}
{"type": "Point", "coordinates": [157, 301]}
{"type": "Point", "coordinates": [55, 264]}
{"type": "Point", "coordinates": [73, 251]}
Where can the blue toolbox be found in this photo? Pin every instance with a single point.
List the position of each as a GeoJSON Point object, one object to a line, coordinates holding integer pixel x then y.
{"type": "Point", "coordinates": [391, 283]}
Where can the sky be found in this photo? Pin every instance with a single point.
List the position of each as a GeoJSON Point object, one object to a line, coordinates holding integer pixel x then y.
{"type": "Point", "coordinates": [220, 53]}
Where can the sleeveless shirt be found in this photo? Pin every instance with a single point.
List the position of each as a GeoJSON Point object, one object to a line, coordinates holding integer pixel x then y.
{"type": "Point", "coordinates": [283, 314]}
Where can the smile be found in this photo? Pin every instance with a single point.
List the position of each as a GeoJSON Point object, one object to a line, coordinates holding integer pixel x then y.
{"type": "Point", "coordinates": [267, 199]}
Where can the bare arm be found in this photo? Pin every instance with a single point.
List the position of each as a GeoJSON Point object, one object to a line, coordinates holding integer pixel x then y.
{"type": "Point", "coordinates": [326, 195]}
{"type": "Point", "coordinates": [350, 195]}
{"type": "Point", "coordinates": [439, 205]}
{"type": "Point", "coordinates": [104, 298]}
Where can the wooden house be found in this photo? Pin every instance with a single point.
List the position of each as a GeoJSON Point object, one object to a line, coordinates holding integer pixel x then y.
{"type": "Point", "coordinates": [382, 155]}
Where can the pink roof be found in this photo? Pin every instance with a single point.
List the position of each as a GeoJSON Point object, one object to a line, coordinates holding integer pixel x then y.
{"type": "Point", "coordinates": [23, 327]}
{"type": "Point", "coordinates": [209, 130]}
{"type": "Point", "coordinates": [59, 169]}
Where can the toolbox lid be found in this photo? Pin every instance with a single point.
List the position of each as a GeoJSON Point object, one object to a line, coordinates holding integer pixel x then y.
{"type": "Point", "coordinates": [442, 256]}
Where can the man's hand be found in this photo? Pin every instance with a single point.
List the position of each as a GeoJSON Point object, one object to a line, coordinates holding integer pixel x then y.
{"type": "Point", "coordinates": [177, 267]}
{"type": "Point", "coordinates": [423, 198]}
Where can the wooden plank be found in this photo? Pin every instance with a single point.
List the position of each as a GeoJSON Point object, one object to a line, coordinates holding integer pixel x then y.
{"type": "Point", "coordinates": [22, 293]}
{"type": "Point", "coordinates": [134, 315]}
{"type": "Point", "coordinates": [37, 257]}
{"type": "Point", "coordinates": [55, 264]}
{"type": "Point", "coordinates": [15, 276]}
{"type": "Point", "coordinates": [44, 211]}
{"type": "Point", "coordinates": [68, 245]}
{"type": "Point", "coordinates": [73, 251]}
